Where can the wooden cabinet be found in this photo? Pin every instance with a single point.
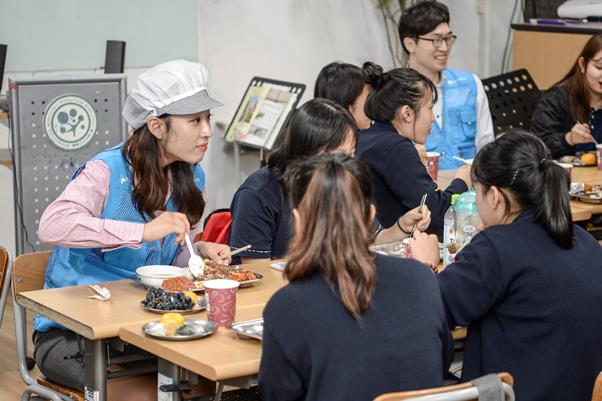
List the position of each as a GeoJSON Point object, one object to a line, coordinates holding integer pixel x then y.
{"type": "Point", "coordinates": [549, 51]}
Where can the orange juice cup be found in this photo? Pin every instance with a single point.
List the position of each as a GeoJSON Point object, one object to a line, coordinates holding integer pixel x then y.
{"type": "Point", "coordinates": [432, 164]}
{"type": "Point", "coordinates": [221, 301]}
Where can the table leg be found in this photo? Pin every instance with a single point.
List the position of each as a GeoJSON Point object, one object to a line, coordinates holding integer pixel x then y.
{"type": "Point", "coordinates": [95, 359]}
{"type": "Point", "coordinates": [168, 374]}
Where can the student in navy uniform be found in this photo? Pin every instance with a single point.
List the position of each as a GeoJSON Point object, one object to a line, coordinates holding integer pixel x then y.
{"type": "Point", "coordinates": [401, 106]}
{"type": "Point", "coordinates": [260, 209]}
{"type": "Point", "coordinates": [568, 118]}
{"type": "Point", "coordinates": [370, 323]}
{"type": "Point", "coordinates": [345, 84]}
{"type": "Point", "coordinates": [529, 286]}
{"type": "Point", "coordinates": [462, 119]}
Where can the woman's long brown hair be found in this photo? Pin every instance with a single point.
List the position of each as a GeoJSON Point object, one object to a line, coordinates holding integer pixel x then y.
{"type": "Point", "coordinates": [576, 86]}
{"type": "Point", "coordinates": [332, 195]}
{"type": "Point", "coordinates": [150, 180]}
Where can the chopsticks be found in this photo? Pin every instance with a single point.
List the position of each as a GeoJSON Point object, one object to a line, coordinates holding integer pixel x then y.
{"type": "Point", "coordinates": [241, 249]}
{"type": "Point", "coordinates": [465, 161]}
{"type": "Point", "coordinates": [422, 203]}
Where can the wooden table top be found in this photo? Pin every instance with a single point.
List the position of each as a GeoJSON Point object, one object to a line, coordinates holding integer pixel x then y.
{"type": "Point", "coordinates": [94, 319]}
{"type": "Point", "coordinates": [580, 211]}
{"type": "Point", "coordinates": [221, 356]}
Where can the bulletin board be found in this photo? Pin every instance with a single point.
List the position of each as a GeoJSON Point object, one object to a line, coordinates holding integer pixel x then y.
{"type": "Point", "coordinates": [44, 35]}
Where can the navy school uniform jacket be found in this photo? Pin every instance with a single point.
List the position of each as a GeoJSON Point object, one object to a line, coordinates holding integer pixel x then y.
{"type": "Point", "coordinates": [261, 216]}
{"type": "Point", "coordinates": [313, 349]}
{"type": "Point", "coordinates": [399, 178]}
{"type": "Point", "coordinates": [532, 309]}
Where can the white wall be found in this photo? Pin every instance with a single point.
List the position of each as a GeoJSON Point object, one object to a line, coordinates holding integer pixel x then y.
{"type": "Point", "coordinates": [282, 39]}
{"type": "Point", "coordinates": [291, 40]}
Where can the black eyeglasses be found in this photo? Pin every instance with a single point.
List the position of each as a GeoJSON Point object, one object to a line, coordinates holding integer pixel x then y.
{"type": "Point", "coordinates": [438, 41]}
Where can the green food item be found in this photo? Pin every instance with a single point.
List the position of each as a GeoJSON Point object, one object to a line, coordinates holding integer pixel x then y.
{"type": "Point", "coordinates": [186, 330]}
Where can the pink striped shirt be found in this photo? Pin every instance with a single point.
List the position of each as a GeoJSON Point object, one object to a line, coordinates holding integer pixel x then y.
{"type": "Point", "coordinates": [73, 219]}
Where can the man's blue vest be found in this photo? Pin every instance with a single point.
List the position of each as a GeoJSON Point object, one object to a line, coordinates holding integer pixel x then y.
{"type": "Point", "coordinates": [77, 266]}
{"type": "Point", "coordinates": [459, 117]}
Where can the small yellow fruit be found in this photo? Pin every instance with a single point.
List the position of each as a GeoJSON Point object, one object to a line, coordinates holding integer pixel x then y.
{"type": "Point", "coordinates": [193, 296]}
{"type": "Point", "coordinates": [587, 159]}
{"type": "Point", "coordinates": [171, 322]}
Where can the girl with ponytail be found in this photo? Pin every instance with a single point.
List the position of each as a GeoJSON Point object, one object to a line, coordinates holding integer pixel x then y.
{"type": "Point", "coordinates": [348, 316]}
{"type": "Point", "coordinates": [529, 286]}
{"type": "Point", "coordinates": [401, 106]}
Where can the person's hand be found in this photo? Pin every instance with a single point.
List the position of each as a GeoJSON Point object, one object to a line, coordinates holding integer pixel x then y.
{"type": "Point", "coordinates": [419, 216]}
{"type": "Point", "coordinates": [425, 249]}
{"type": "Point", "coordinates": [164, 224]}
{"type": "Point", "coordinates": [580, 133]}
{"type": "Point", "coordinates": [463, 173]}
{"type": "Point", "coordinates": [219, 253]}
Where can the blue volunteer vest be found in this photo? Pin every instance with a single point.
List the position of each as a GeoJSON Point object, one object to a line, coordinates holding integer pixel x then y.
{"type": "Point", "coordinates": [459, 118]}
{"type": "Point", "coordinates": [78, 266]}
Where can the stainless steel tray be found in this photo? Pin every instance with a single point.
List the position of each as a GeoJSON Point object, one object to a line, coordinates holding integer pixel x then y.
{"type": "Point", "coordinates": [243, 284]}
{"type": "Point", "coordinates": [587, 198]}
{"type": "Point", "coordinates": [249, 329]}
{"type": "Point", "coordinates": [391, 248]}
{"type": "Point", "coordinates": [192, 329]}
{"type": "Point", "coordinates": [195, 309]}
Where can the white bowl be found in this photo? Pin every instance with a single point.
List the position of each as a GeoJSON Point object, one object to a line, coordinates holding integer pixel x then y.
{"type": "Point", "coordinates": [153, 275]}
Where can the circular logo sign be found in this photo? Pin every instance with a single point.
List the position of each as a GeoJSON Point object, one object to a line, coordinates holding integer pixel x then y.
{"type": "Point", "coordinates": [70, 122]}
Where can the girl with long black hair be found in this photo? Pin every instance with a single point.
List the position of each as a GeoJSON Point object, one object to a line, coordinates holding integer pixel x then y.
{"type": "Point", "coordinates": [529, 286]}
{"type": "Point", "coordinates": [260, 207]}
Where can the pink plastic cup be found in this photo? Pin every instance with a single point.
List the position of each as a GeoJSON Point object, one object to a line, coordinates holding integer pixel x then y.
{"type": "Point", "coordinates": [221, 301]}
{"type": "Point", "coordinates": [599, 155]}
{"type": "Point", "coordinates": [432, 164]}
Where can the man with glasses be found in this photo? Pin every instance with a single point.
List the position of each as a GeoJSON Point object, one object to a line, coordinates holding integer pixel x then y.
{"type": "Point", "coordinates": [462, 118]}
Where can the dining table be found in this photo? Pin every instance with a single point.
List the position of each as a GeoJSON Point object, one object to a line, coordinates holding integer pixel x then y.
{"type": "Point", "coordinates": [99, 321]}
{"type": "Point", "coordinates": [223, 358]}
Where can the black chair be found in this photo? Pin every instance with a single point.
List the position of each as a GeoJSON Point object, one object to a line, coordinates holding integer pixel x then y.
{"type": "Point", "coordinates": [512, 99]}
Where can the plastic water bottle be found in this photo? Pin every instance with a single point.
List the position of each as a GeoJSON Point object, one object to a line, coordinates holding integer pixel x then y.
{"type": "Point", "coordinates": [469, 232]}
{"type": "Point", "coordinates": [449, 231]}
{"type": "Point", "coordinates": [466, 217]}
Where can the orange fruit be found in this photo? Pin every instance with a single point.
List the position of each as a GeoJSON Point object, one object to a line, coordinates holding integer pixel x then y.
{"type": "Point", "coordinates": [587, 159]}
{"type": "Point", "coordinates": [171, 322]}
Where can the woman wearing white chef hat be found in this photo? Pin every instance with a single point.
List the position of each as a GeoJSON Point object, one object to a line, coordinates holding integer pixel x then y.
{"type": "Point", "coordinates": [130, 205]}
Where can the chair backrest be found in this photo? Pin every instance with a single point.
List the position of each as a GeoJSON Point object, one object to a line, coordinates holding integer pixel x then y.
{"type": "Point", "coordinates": [457, 392]}
{"type": "Point", "coordinates": [28, 275]}
{"type": "Point", "coordinates": [217, 226]}
{"type": "Point", "coordinates": [5, 278]}
{"type": "Point", "coordinates": [28, 271]}
{"type": "Point", "coordinates": [512, 97]}
{"type": "Point", "coordinates": [597, 392]}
